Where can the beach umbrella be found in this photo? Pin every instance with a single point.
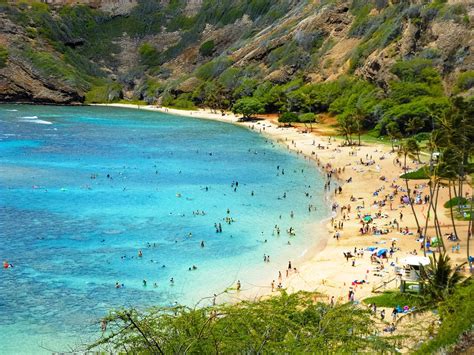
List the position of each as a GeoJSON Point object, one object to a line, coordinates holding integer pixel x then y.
{"type": "Point", "coordinates": [372, 248]}
{"type": "Point", "coordinates": [367, 218]}
{"type": "Point", "coordinates": [381, 252]}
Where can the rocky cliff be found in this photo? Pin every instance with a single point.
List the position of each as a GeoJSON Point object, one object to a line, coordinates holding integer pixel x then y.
{"type": "Point", "coordinates": [145, 49]}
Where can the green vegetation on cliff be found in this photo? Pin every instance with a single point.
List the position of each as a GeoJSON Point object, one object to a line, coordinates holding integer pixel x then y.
{"type": "Point", "coordinates": [369, 63]}
{"type": "Point", "coordinates": [3, 57]}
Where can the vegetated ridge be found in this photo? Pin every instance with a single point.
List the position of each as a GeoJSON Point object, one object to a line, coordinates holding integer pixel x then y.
{"type": "Point", "coordinates": [285, 53]}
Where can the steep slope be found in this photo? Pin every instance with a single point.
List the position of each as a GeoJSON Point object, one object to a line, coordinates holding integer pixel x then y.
{"type": "Point", "coordinates": [22, 80]}
{"type": "Point", "coordinates": [165, 50]}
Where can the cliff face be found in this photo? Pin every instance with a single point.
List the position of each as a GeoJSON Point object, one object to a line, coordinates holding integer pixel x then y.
{"type": "Point", "coordinates": [177, 45]}
{"type": "Point", "coordinates": [21, 81]}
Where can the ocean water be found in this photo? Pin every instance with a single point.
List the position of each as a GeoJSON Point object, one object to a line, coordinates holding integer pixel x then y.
{"type": "Point", "coordinates": [83, 189]}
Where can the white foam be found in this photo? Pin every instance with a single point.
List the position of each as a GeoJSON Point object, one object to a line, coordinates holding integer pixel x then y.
{"type": "Point", "coordinates": [12, 110]}
{"type": "Point", "coordinates": [30, 117]}
{"type": "Point", "coordinates": [42, 122]}
{"type": "Point", "coordinates": [36, 121]}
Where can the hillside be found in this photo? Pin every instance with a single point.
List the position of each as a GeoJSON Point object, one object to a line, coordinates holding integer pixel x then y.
{"type": "Point", "coordinates": [208, 52]}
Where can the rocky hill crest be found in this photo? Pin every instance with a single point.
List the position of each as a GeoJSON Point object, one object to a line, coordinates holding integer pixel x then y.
{"type": "Point", "coordinates": [61, 51]}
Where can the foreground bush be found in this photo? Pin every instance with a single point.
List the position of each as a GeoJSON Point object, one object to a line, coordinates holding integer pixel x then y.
{"type": "Point", "coordinates": [284, 324]}
{"type": "Point", "coordinates": [457, 318]}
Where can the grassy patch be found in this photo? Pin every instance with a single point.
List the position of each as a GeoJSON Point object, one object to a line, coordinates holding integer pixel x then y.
{"type": "Point", "coordinates": [394, 298]}
{"type": "Point", "coordinates": [371, 137]}
{"type": "Point", "coordinates": [420, 174]}
{"type": "Point", "coordinates": [455, 201]}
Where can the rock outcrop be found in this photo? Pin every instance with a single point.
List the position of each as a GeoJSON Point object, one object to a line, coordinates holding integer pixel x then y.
{"type": "Point", "coordinates": [311, 39]}
{"type": "Point", "coordinates": [20, 81]}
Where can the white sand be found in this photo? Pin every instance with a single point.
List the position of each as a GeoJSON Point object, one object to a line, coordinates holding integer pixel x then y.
{"type": "Point", "coordinates": [324, 268]}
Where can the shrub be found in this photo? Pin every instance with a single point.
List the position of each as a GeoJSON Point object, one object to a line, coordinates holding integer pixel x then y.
{"type": "Point", "coordinates": [213, 68]}
{"type": "Point", "coordinates": [184, 102]}
{"type": "Point", "coordinates": [416, 70]}
{"type": "Point", "coordinates": [3, 57]}
{"type": "Point", "coordinates": [104, 93]}
{"type": "Point", "coordinates": [149, 55]}
{"type": "Point", "coordinates": [465, 81]}
{"type": "Point", "coordinates": [456, 313]}
{"type": "Point", "coordinates": [289, 324]}
{"type": "Point", "coordinates": [207, 48]}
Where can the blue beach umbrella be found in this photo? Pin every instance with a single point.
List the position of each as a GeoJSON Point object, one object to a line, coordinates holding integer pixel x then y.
{"type": "Point", "coordinates": [381, 252]}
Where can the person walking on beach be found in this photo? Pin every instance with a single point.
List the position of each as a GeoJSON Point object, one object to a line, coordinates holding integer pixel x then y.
{"type": "Point", "coordinates": [394, 314]}
{"type": "Point", "coordinates": [289, 265]}
{"type": "Point", "coordinates": [238, 285]}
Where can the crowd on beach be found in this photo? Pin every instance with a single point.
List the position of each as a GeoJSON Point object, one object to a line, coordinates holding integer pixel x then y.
{"type": "Point", "coordinates": [371, 229]}
{"type": "Point", "coordinates": [371, 209]}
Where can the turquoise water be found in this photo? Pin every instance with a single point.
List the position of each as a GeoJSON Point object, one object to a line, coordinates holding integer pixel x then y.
{"type": "Point", "coordinates": [71, 232]}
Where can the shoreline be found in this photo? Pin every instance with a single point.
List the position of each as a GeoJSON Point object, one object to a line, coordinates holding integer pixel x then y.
{"type": "Point", "coordinates": [254, 292]}
{"type": "Point", "coordinates": [324, 269]}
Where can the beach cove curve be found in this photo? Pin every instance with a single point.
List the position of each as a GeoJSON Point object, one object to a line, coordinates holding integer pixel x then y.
{"type": "Point", "coordinates": [85, 218]}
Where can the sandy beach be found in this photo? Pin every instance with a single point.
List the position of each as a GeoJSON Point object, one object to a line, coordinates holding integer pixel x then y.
{"type": "Point", "coordinates": [368, 177]}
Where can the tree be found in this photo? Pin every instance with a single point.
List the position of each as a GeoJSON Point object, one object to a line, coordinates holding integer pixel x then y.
{"type": "Point", "coordinates": [439, 277]}
{"type": "Point", "coordinates": [393, 132]}
{"type": "Point", "coordinates": [247, 107]}
{"type": "Point", "coordinates": [288, 117]}
{"type": "Point", "coordinates": [410, 148]}
{"type": "Point", "coordinates": [346, 126]}
{"type": "Point", "coordinates": [307, 118]}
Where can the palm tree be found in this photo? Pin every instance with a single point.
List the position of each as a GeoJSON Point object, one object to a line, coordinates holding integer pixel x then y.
{"type": "Point", "coordinates": [393, 132]}
{"type": "Point", "coordinates": [439, 277]}
{"type": "Point", "coordinates": [449, 167]}
{"type": "Point", "coordinates": [407, 149]}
